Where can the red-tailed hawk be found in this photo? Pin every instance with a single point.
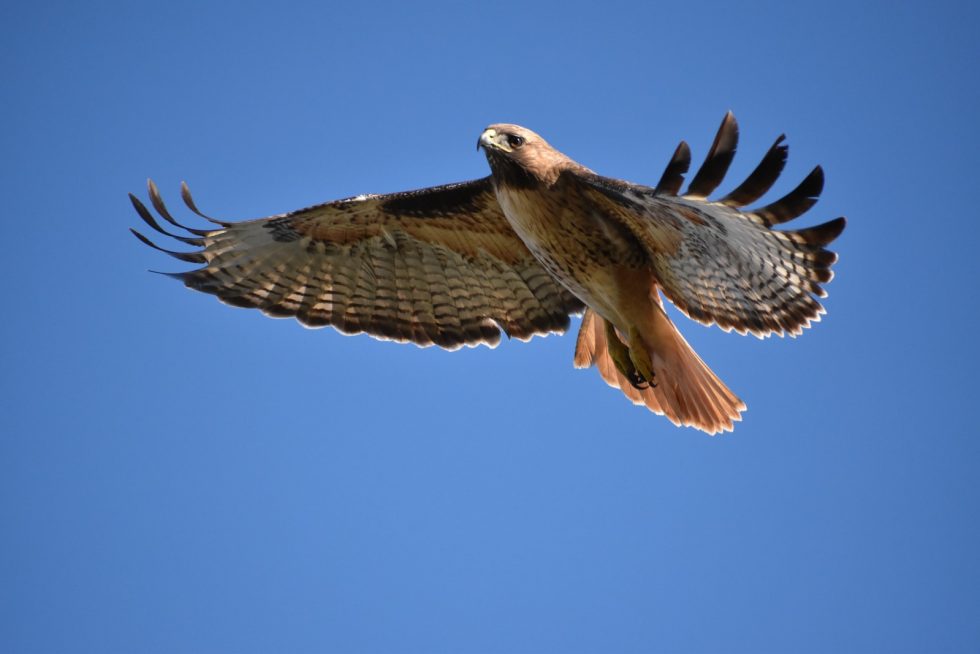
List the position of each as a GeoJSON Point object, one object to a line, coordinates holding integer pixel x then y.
{"type": "Point", "coordinates": [540, 239]}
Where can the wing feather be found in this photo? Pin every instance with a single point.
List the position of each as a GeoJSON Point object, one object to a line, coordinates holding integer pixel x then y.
{"type": "Point", "coordinates": [762, 178]}
{"type": "Point", "coordinates": [673, 177]}
{"type": "Point", "coordinates": [795, 203]}
{"type": "Point", "coordinates": [735, 272]}
{"type": "Point", "coordinates": [723, 266]}
{"type": "Point", "coordinates": [719, 158]}
{"type": "Point", "coordinates": [435, 266]}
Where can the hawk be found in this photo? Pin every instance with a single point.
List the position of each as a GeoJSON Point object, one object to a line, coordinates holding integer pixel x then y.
{"type": "Point", "coordinates": [540, 239]}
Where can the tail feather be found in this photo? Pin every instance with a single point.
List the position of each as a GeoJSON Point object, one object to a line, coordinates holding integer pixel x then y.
{"type": "Point", "coordinates": [687, 392]}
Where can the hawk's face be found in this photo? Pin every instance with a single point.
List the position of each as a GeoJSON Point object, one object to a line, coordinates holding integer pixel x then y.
{"type": "Point", "coordinates": [509, 141]}
{"type": "Point", "coordinates": [517, 155]}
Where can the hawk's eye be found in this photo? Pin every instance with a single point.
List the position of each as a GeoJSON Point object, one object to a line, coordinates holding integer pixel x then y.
{"type": "Point", "coordinates": [515, 141]}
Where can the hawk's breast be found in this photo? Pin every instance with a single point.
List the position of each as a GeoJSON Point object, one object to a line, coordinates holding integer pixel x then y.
{"type": "Point", "coordinates": [572, 240]}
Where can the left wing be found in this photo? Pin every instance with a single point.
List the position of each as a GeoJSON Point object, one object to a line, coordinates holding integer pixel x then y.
{"type": "Point", "coordinates": [435, 266]}
{"type": "Point", "coordinates": [720, 265]}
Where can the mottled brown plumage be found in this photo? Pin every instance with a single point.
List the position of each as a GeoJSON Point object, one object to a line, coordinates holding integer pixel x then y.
{"type": "Point", "coordinates": [541, 239]}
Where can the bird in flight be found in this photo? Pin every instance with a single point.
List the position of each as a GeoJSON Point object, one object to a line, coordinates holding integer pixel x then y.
{"type": "Point", "coordinates": [540, 239]}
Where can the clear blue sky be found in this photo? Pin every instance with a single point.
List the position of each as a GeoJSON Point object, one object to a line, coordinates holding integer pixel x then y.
{"type": "Point", "coordinates": [181, 476]}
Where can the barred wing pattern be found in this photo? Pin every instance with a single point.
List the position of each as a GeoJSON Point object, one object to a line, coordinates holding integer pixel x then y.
{"type": "Point", "coordinates": [720, 265]}
{"type": "Point", "coordinates": [435, 266]}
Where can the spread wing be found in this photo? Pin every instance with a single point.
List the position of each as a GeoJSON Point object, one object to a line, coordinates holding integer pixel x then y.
{"type": "Point", "coordinates": [435, 266]}
{"type": "Point", "coordinates": [720, 265]}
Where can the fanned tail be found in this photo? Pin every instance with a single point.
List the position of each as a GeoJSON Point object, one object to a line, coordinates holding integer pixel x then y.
{"type": "Point", "coordinates": [687, 392]}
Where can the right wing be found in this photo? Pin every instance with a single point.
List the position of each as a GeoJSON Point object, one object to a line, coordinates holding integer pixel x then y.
{"type": "Point", "coordinates": [435, 266]}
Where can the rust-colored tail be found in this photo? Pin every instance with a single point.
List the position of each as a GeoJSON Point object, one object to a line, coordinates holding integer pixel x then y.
{"type": "Point", "coordinates": [686, 390]}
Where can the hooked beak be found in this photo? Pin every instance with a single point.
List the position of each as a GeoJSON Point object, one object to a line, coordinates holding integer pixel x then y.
{"type": "Point", "coordinates": [487, 139]}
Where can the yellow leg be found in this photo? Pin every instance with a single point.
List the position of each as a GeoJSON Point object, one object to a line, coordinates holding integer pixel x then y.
{"type": "Point", "coordinates": [640, 357]}
{"type": "Point", "coordinates": [632, 364]}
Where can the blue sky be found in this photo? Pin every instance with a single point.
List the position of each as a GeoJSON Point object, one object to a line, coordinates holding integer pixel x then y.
{"type": "Point", "coordinates": [181, 476]}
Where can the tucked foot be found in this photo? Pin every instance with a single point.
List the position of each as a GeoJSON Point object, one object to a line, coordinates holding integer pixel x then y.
{"type": "Point", "coordinates": [640, 357]}
{"type": "Point", "coordinates": [623, 358]}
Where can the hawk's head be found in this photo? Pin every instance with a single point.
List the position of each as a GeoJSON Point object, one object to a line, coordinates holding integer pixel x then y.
{"type": "Point", "coordinates": [519, 157]}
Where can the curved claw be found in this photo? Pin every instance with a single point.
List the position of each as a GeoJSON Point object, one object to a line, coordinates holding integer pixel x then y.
{"type": "Point", "coordinates": [638, 381]}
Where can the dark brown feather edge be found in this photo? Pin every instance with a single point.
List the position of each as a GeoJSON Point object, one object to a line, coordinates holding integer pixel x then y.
{"type": "Point", "coordinates": [673, 177]}
{"type": "Point", "coordinates": [185, 194]}
{"type": "Point", "coordinates": [189, 257]}
{"type": "Point", "coordinates": [152, 222]}
{"type": "Point", "coordinates": [719, 158]}
{"type": "Point", "coordinates": [762, 178]}
{"type": "Point", "coordinates": [795, 203]}
{"type": "Point", "coordinates": [161, 208]}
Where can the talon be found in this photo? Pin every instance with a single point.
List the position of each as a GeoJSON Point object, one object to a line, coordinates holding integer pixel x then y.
{"type": "Point", "coordinates": [640, 382]}
{"type": "Point", "coordinates": [637, 381]}
{"type": "Point", "coordinates": [653, 375]}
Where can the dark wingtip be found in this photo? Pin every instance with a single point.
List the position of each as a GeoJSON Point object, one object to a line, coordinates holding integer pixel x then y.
{"type": "Point", "coordinates": [719, 158]}
{"type": "Point", "coordinates": [673, 176]}
{"type": "Point", "coordinates": [829, 231]}
{"type": "Point", "coordinates": [178, 276]}
{"type": "Point", "coordinates": [148, 218]}
{"type": "Point", "coordinates": [820, 235]}
{"type": "Point", "coordinates": [796, 202]}
{"type": "Point", "coordinates": [185, 194]}
{"type": "Point", "coordinates": [762, 178]}
{"type": "Point", "coordinates": [190, 257]}
{"type": "Point", "coordinates": [164, 213]}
